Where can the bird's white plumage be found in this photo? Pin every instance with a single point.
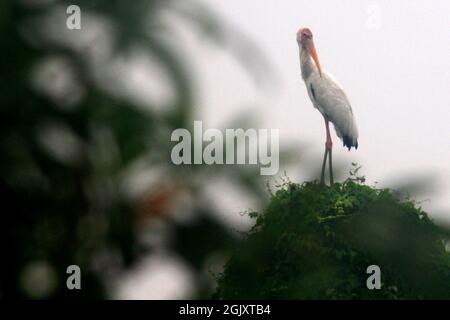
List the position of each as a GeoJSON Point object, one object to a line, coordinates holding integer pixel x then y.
{"type": "Point", "coordinates": [330, 99]}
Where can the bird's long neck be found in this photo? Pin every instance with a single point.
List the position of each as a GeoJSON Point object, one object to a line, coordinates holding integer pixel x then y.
{"type": "Point", "coordinates": [306, 63]}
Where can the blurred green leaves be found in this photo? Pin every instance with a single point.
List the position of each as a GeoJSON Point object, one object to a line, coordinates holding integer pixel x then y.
{"type": "Point", "coordinates": [315, 242]}
{"type": "Point", "coordinates": [66, 156]}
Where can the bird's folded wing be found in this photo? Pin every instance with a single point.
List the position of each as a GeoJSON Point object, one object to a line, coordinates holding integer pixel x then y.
{"type": "Point", "coordinates": [332, 102]}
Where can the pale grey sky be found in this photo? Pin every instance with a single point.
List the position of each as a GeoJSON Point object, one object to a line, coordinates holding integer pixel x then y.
{"type": "Point", "coordinates": [391, 57]}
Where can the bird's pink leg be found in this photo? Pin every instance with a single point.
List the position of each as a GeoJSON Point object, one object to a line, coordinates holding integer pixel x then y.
{"type": "Point", "coordinates": [328, 143]}
{"type": "Point", "coordinates": [327, 151]}
{"type": "Point", "coordinates": [324, 163]}
{"type": "Point", "coordinates": [329, 147]}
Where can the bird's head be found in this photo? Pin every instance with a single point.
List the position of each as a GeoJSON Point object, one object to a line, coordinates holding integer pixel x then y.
{"type": "Point", "coordinates": [304, 35]}
{"type": "Point", "coordinates": [305, 40]}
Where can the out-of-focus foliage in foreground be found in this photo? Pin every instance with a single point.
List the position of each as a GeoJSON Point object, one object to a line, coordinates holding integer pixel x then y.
{"type": "Point", "coordinates": [315, 242]}
{"type": "Point", "coordinates": [76, 143]}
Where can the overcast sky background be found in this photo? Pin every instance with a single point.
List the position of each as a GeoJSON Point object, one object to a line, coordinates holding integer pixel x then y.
{"type": "Point", "coordinates": [391, 57]}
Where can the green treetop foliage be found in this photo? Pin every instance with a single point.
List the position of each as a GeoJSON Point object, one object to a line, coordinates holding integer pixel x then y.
{"type": "Point", "coordinates": [316, 242]}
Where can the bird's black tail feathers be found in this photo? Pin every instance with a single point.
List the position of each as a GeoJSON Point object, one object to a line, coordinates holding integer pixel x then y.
{"type": "Point", "coordinates": [348, 142]}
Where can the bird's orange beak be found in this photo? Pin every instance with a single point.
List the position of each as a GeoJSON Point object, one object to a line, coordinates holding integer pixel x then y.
{"type": "Point", "coordinates": [313, 53]}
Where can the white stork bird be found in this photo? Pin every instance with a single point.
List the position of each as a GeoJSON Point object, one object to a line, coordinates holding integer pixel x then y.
{"type": "Point", "coordinates": [328, 97]}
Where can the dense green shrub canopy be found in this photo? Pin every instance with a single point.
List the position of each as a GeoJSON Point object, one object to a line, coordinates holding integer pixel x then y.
{"type": "Point", "coordinates": [316, 242]}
